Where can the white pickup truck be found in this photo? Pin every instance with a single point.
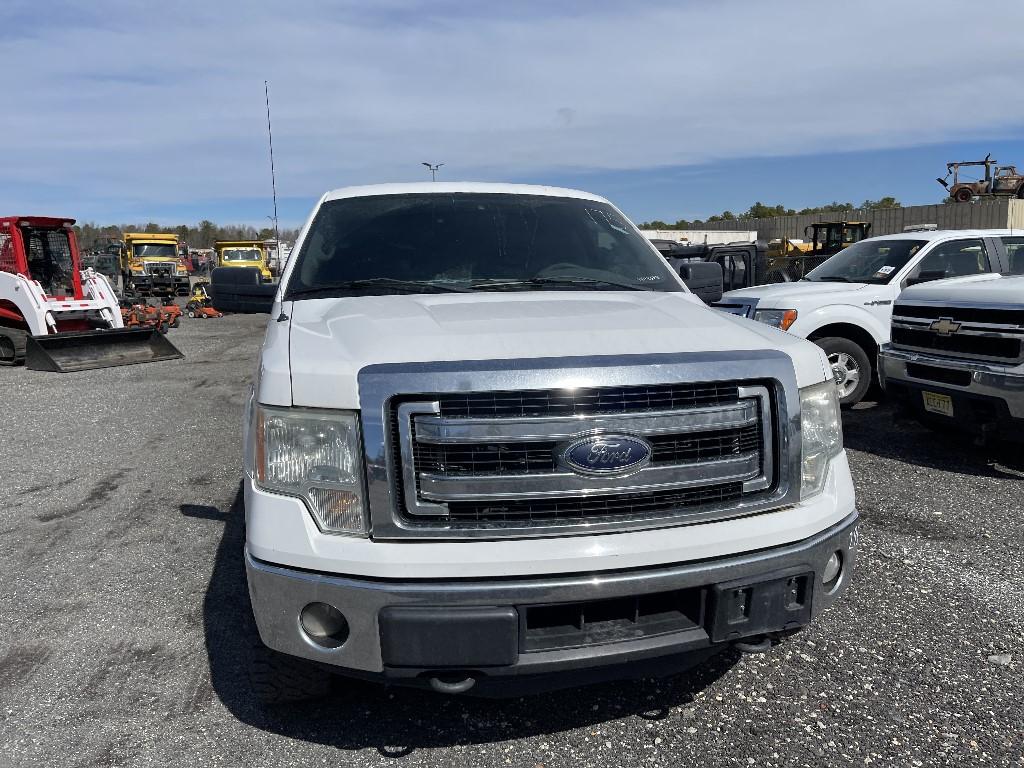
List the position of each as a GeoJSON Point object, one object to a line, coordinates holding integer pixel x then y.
{"type": "Point", "coordinates": [845, 304]}
{"type": "Point", "coordinates": [957, 351]}
{"type": "Point", "coordinates": [494, 443]}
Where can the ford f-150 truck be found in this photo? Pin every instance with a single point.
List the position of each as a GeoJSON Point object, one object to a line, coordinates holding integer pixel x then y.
{"type": "Point", "coordinates": [845, 304]}
{"type": "Point", "coordinates": [957, 350]}
{"type": "Point", "coordinates": [492, 437]}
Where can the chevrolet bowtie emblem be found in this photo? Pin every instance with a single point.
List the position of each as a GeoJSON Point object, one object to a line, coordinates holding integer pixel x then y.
{"type": "Point", "coordinates": [944, 326]}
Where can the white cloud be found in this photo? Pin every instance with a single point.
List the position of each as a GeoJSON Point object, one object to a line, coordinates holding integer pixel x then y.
{"type": "Point", "coordinates": [122, 102]}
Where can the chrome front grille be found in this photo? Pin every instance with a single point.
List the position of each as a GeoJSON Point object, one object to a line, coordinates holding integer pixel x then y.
{"type": "Point", "coordinates": [709, 443]}
{"type": "Point", "coordinates": [994, 334]}
{"type": "Point", "coordinates": [453, 454]}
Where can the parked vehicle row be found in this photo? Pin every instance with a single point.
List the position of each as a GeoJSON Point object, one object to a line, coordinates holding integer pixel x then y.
{"type": "Point", "coordinates": [846, 304]}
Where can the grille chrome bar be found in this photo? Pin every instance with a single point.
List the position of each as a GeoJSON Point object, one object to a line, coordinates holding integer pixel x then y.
{"type": "Point", "coordinates": [568, 484]}
{"type": "Point", "coordinates": [433, 429]}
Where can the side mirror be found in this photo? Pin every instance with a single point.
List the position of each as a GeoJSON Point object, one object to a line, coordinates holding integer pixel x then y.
{"type": "Point", "coordinates": [704, 279]}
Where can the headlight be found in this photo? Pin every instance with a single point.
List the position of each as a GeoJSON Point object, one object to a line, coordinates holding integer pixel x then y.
{"type": "Point", "coordinates": [779, 318]}
{"type": "Point", "coordinates": [821, 434]}
{"type": "Point", "coordinates": [315, 456]}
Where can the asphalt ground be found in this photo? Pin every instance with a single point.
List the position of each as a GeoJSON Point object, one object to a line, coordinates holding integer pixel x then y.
{"type": "Point", "coordinates": [125, 625]}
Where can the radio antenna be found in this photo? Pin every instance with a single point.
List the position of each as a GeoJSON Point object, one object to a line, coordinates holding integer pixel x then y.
{"type": "Point", "coordinates": [273, 179]}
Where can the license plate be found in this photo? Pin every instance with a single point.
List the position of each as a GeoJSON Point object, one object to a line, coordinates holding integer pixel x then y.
{"type": "Point", "coordinates": [936, 403]}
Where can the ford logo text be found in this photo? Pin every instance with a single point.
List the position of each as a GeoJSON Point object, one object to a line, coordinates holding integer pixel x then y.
{"type": "Point", "coordinates": [607, 454]}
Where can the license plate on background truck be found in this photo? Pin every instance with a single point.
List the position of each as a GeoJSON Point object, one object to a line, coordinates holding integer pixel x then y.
{"type": "Point", "coordinates": [936, 403]}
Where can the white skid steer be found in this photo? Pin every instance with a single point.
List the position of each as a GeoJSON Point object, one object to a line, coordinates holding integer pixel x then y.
{"type": "Point", "coordinates": [55, 316]}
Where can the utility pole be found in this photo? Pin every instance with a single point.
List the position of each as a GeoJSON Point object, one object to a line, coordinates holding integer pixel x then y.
{"type": "Point", "coordinates": [273, 179]}
{"type": "Point", "coordinates": [433, 170]}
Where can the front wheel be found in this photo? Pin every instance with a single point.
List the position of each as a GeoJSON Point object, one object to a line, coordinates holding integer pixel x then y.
{"type": "Point", "coordinates": [851, 368]}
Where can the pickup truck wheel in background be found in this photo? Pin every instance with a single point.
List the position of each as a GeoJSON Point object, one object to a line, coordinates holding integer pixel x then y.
{"type": "Point", "coordinates": [278, 679]}
{"type": "Point", "coordinates": [850, 367]}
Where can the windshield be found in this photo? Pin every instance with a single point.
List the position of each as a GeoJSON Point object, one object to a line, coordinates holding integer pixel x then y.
{"type": "Point", "coordinates": [414, 243]}
{"type": "Point", "coordinates": [159, 250]}
{"type": "Point", "coordinates": [240, 254]}
{"type": "Point", "coordinates": [869, 261]}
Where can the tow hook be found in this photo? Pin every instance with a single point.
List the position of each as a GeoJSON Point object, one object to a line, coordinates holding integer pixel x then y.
{"type": "Point", "coordinates": [754, 645]}
{"type": "Point", "coordinates": [452, 686]}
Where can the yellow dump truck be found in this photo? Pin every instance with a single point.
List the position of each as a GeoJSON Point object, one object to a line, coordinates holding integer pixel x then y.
{"type": "Point", "coordinates": [151, 267]}
{"type": "Point", "coordinates": [243, 253]}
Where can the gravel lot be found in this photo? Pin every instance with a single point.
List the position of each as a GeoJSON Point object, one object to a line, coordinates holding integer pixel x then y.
{"type": "Point", "coordinates": [125, 618]}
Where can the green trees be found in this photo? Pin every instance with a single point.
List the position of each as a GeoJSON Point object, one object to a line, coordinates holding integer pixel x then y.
{"type": "Point", "coordinates": [761, 210]}
{"type": "Point", "coordinates": [201, 235]}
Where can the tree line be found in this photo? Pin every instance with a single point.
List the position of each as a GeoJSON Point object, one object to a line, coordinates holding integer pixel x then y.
{"type": "Point", "coordinates": [761, 211]}
{"type": "Point", "coordinates": [201, 235]}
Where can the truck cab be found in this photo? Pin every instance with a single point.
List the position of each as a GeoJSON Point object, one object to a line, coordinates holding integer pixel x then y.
{"type": "Point", "coordinates": [845, 304]}
{"type": "Point", "coordinates": [243, 253]}
{"type": "Point", "coordinates": [152, 265]}
{"type": "Point", "coordinates": [494, 442]}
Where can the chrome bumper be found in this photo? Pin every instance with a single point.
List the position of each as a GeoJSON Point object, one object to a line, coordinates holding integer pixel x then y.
{"type": "Point", "coordinates": [279, 594]}
{"type": "Point", "coordinates": [986, 380]}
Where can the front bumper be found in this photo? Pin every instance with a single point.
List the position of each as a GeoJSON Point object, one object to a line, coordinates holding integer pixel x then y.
{"type": "Point", "coordinates": [413, 629]}
{"type": "Point", "coordinates": [986, 398]}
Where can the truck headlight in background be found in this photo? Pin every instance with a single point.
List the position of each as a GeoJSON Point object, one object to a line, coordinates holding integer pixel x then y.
{"type": "Point", "coordinates": [316, 456]}
{"type": "Point", "coordinates": [821, 434]}
{"type": "Point", "coordinates": [778, 318]}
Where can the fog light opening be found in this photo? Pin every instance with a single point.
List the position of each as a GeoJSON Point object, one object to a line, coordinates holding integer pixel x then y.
{"type": "Point", "coordinates": [833, 571]}
{"type": "Point", "coordinates": [324, 625]}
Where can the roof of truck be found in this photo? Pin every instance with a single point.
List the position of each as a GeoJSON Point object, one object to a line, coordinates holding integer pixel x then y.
{"type": "Point", "coordinates": [937, 234]}
{"type": "Point", "coordinates": [454, 187]}
{"type": "Point", "coordinates": [37, 221]}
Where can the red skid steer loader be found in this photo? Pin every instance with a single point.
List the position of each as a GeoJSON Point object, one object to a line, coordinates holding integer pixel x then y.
{"type": "Point", "coordinates": [55, 316]}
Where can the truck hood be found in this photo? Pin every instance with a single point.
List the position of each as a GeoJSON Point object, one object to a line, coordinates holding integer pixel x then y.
{"type": "Point", "coordinates": [783, 295]}
{"type": "Point", "coordinates": [980, 289]}
{"type": "Point", "coordinates": [332, 339]}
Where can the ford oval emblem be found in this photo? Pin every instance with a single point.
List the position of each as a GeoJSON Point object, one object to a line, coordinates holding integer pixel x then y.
{"type": "Point", "coordinates": [607, 454]}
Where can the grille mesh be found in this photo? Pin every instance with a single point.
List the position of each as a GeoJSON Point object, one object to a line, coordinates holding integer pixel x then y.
{"type": "Point", "coordinates": [632, 505]}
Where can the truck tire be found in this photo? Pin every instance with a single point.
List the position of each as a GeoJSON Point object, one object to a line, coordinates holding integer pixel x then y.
{"type": "Point", "coordinates": [963, 195]}
{"type": "Point", "coordinates": [851, 368]}
{"type": "Point", "coordinates": [279, 679]}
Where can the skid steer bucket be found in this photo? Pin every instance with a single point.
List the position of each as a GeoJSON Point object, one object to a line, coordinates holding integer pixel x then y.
{"type": "Point", "coordinates": [65, 352]}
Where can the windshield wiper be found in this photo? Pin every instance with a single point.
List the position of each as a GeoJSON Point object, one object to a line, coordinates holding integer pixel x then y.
{"type": "Point", "coordinates": [834, 279]}
{"type": "Point", "coordinates": [553, 281]}
{"type": "Point", "coordinates": [405, 286]}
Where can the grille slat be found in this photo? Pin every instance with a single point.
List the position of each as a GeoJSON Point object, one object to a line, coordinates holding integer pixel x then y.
{"type": "Point", "coordinates": [587, 401]}
{"type": "Point", "coordinates": [964, 344]}
{"type": "Point", "coordinates": [990, 315]}
{"type": "Point", "coordinates": [525, 458]}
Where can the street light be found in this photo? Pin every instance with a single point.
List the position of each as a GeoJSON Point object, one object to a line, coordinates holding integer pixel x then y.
{"type": "Point", "coordinates": [433, 170]}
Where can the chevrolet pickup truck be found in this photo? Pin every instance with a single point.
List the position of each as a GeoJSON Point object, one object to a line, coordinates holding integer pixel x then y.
{"type": "Point", "coordinates": [957, 352]}
{"type": "Point", "coordinates": [494, 443]}
{"type": "Point", "coordinates": [845, 304]}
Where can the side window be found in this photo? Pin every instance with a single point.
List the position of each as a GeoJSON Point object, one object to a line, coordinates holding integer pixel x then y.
{"type": "Point", "coordinates": [1015, 254]}
{"type": "Point", "coordinates": [6, 253]}
{"type": "Point", "coordinates": [955, 258]}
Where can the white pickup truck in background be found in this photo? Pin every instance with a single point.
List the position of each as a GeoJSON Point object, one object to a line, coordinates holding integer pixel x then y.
{"type": "Point", "coordinates": [845, 304]}
{"type": "Point", "coordinates": [957, 352]}
{"type": "Point", "coordinates": [495, 443]}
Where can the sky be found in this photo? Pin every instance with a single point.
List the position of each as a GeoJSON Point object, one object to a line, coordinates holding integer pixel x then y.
{"type": "Point", "coordinates": [128, 111]}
